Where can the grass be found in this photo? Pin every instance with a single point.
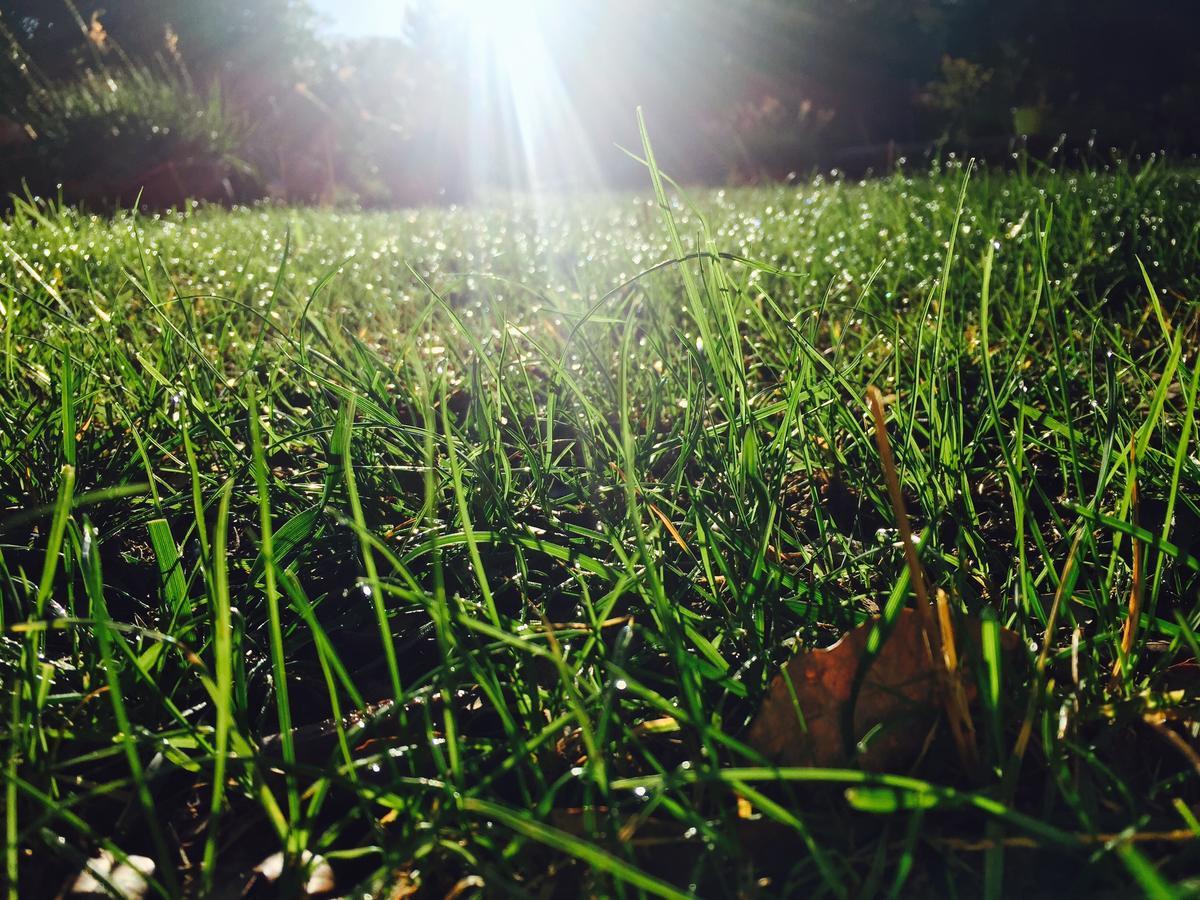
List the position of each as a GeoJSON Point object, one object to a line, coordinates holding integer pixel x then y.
{"type": "Point", "coordinates": [459, 546]}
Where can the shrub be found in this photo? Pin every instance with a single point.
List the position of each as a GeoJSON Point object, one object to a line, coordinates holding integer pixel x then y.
{"type": "Point", "coordinates": [119, 131]}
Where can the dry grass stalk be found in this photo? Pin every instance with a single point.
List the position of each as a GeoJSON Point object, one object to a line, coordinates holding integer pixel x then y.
{"type": "Point", "coordinates": [1043, 658]}
{"type": "Point", "coordinates": [940, 641]}
{"type": "Point", "coordinates": [1178, 835]}
{"type": "Point", "coordinates": [966, 741]}
{"type": "Point", "coordinates": [1135, 592]}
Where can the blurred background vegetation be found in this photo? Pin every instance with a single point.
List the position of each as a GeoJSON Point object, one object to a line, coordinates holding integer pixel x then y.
{"type": "Point", "coordinates": [236, 100]}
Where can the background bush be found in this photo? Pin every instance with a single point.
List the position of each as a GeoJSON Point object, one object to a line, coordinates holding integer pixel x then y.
{"type": "Point", "coordinates": [160, 136]}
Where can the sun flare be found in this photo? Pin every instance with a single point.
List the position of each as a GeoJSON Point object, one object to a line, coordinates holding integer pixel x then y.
{"type": "Point", "coordinates": [511, 64]}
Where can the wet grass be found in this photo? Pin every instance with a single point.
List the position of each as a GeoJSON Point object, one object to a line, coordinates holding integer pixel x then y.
{"type": "Point", "coordinates": [459, 546]}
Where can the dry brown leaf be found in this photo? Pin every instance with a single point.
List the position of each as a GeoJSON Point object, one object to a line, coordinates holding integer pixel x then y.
{"type": "Point", "coordinates": [899, 697]}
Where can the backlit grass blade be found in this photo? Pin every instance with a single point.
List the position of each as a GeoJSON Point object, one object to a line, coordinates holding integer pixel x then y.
{"type": "Point", "coordinates": [94, 585]}
{"type": "Point", "coordinates": [223, 666]}
{"type": "Point", "coordinates": [346, 430]}
{"type": "Point", "coordinates": [170, 566]}
{"type": "Point", "coordinates": [278, 651]}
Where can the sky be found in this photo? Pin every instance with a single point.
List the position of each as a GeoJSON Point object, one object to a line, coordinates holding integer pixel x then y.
{"type": "Point", "coordinates": [361, 18]}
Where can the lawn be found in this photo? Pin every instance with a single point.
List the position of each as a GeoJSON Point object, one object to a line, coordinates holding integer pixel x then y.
{"type": "Point", "coordinates": [460, 547]}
